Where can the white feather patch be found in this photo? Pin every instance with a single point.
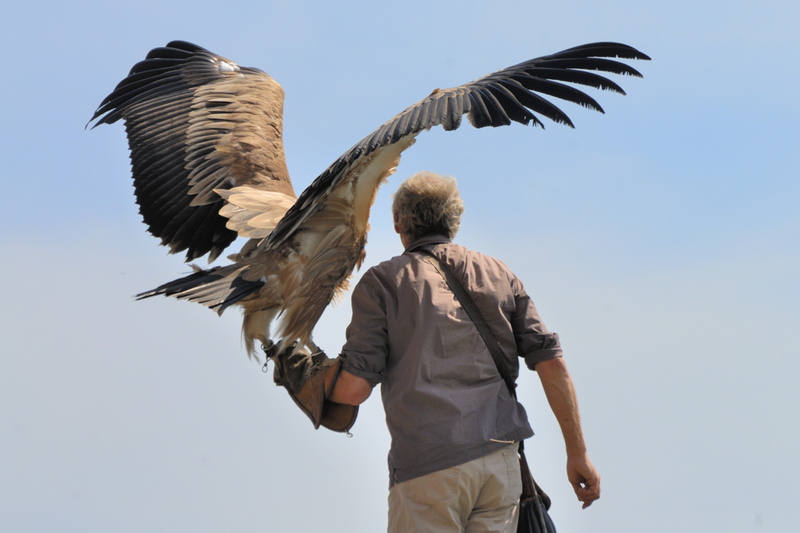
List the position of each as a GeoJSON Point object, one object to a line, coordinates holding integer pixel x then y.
{"type": "Point", "coordinates": [253, 213]}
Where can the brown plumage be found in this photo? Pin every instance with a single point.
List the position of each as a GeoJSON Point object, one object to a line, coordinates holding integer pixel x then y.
{"type": "Point", "coordinates": [205, 138]}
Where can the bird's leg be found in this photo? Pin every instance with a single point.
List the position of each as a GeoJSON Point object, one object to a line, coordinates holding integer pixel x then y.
{"type": "Point", "coordinates": [291, 364]}
{"type": "Point", "coordinates": [312, 346]}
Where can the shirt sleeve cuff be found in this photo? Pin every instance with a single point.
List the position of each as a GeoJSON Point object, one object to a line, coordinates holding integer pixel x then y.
{"type": "Point", "coordinates": [373, 378]}
{"type": "Point", "coordinates": [531, 360]}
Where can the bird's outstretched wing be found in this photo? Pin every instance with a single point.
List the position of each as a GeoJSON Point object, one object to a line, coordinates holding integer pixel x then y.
{"type": "Point", "coordinates": [203, 132]}
{"type": "Point", "coordinates": [206, 145]}
{"type": "Point", "coordinates": [493, 100]}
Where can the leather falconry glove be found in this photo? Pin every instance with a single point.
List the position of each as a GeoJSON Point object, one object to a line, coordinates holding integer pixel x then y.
{"type": "Point", "coordinates": [309, 380]}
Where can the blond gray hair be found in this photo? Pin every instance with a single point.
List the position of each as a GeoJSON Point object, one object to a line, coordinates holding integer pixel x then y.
{"type": "Point", "coordinates": [428, 203]}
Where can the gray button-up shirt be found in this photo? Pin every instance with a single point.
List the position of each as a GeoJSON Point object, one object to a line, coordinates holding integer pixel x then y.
{"type": "Point", "coordinates": [444, 399]}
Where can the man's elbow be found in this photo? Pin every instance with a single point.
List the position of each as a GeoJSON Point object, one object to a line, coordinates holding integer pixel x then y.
{"type": "Point", "coordinates": [552, 369]}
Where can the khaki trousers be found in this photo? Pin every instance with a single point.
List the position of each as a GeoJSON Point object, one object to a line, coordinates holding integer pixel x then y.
{"type": "Point", "coordinates": [478, 496]}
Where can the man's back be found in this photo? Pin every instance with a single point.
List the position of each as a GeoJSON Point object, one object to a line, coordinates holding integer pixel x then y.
{"type": "Point", "coordinates": [444, 399]}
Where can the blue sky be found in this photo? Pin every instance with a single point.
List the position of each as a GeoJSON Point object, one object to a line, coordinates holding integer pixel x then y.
{"type": "Point", "coordinates": [660, 240]}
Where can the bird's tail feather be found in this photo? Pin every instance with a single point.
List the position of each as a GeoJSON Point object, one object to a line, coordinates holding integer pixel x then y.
{"type": "Point", "coordinates": [216, 288]}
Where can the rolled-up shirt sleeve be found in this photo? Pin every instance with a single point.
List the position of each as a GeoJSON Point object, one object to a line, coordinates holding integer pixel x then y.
{"type": "Point", "coordinates": [534, 342]}
{"type": "Point", "coordinates": [365, 350]}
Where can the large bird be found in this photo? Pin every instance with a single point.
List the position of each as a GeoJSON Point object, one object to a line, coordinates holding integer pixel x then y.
{"type": "Point", "coordinates": [206, 147]}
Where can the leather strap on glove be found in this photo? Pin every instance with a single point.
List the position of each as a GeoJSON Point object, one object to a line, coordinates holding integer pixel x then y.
{"type": "Point", "coordinates": [309, 380]}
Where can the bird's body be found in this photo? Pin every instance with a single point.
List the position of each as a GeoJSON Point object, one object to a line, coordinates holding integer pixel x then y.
{"type": "Point", "coordinates": [208, 164]}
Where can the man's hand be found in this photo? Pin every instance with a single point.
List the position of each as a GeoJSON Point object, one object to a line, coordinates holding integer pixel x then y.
{"type": "Point", "coordinates": [584, 479]}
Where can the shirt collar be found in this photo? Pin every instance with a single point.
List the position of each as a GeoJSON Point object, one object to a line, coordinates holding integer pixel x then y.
{"type": "Point", "coordinates": [427, 240]}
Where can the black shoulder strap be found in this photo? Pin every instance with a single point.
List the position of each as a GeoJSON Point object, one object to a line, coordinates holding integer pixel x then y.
{"type": "Point", "coordinates": [474, 313]}
{"type": "Point", "coordinates": [530, 488]}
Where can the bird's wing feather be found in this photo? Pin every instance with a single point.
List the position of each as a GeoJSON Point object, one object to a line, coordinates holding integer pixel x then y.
{"type": "Point", "coordinates": [493, 100]}
{"type": "Point", "coordinates": [199, 125]}
{"type": "Point", "coordinates": [254, 212]}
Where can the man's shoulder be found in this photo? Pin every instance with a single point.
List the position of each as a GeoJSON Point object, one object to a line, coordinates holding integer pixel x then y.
{"type": "Point", "coordinates": [388, 267]}
{"type": "Point", "coordinates": [455, 253]}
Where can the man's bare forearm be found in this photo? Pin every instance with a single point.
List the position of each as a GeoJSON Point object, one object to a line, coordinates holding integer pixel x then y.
{"type": "Point", "coordinates": [350, 389]}
{"type": "Point", "coordinates": [560, 392]}
{"type": "Point", "coordinates": [561, 396]}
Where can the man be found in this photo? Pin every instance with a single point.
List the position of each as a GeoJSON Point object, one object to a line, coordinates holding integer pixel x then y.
{"type": "Point", "coordinates": [454, 425]}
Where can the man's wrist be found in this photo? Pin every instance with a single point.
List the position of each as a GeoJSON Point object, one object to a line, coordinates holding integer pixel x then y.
{"type": "Point", "coordinates": [576, 449]}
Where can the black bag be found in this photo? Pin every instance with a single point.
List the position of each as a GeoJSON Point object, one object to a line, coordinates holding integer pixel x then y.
{"type": "Point", "coordinates": [533, 503]}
